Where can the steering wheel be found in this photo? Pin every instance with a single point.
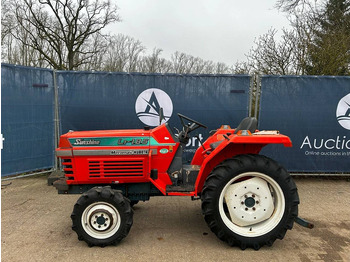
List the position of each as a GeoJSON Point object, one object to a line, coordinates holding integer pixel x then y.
{"type": "Point", "coordinates": [195, 124]}
{"type": "Point", "coordinates": [187, 128]}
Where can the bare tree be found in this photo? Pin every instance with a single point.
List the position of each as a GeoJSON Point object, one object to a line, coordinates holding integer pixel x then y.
{"type": "Point", "coordinates": [134, 49]}
{"type": "Point", "coordinates": [67, 35]}
{"type": "Point", "coordinates": [7, 26]}
{"type": "Point", "coordinates": [222, 68]}
{"type": "Point", "coordinates": [63, 31]}
{"type": "Point", "coordinates": [7, 19]}
{"type": "Point", "coordinates": [318, 43]}
{"type": "Point", "coordinates": [14, 51]}
{"type": "Point", "coordinates": [272, 57]}
{"type": "Point", "coordinates": [201, 66]}
{"type": "Point", "coordinates": [187, 64]}
{"type": "Point", "coordinates": [179, 62]}
{"type": "Point", "coordinates": [290, 6]}
{"type": "Point", "coordinates": [241, 68]}
{"type": "Point", "coordinates": [98, 43]}
{"type": "Point", "coordinates": [153, 63]}
{"type": "Point", "coordinates": [122, 54]}
{"type": "Point", "coordinates": [304, 25]}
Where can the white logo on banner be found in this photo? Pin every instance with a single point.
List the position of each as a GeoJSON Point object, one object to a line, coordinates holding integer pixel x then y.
{"type": "Point", "coordinates": [148, 105]}
{"type": "Point", "coordinates": [343, 112]}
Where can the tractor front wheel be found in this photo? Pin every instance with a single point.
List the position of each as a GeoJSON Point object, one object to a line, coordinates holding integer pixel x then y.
{"type": "Point", "coordinates": [102, 216]}
{"type": "Point", "coordinates": [249, 201]}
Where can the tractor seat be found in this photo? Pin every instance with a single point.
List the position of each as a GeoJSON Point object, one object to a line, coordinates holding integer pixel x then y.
{"type": "Point", "coordinates": [248, 123]}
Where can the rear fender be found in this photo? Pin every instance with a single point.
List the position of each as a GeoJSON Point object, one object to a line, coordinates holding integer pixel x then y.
{"type": "Point", "coordinates": [236, 145]}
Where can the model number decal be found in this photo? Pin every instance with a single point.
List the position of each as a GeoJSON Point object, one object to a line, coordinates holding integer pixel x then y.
{"type": "Point", "coordinates": [134, 141]}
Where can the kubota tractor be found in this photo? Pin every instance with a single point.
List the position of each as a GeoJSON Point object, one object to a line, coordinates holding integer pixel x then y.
{"type": "Point", "coordinates": [248, 200]}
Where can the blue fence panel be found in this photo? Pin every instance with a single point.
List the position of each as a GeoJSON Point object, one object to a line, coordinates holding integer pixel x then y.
{"type": "Point", "coordinates": [101, 100]}
{"type": "Point", "coordinates": [27, 119]}
{"type": "Point", "coordinates": [315, 113]}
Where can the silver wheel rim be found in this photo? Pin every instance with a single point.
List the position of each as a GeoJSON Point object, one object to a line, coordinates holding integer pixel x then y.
{"type": "Point", "coordinates": [246, 205]}
{"type": "Point", "coordinates": [100, 220]}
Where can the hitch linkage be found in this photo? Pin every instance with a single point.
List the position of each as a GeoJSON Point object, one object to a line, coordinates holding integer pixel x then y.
{"type": "Point", "coordinates": [304, 223]}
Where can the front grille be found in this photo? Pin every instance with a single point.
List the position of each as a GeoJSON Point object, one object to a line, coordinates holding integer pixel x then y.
{"type": "Point", "coordinates": [116, 168]}
{"type": "Point", "coordinates": [68, 168]}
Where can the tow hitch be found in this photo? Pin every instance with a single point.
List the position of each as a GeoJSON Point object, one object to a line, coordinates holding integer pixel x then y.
{"type": "Point", "coordinates": [304, 223]}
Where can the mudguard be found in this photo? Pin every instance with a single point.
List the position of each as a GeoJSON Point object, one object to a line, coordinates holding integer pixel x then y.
{"type": "Point", "coordinates": [225, 144]}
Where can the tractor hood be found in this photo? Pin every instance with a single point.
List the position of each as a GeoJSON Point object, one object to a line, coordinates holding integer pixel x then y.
{"type": "Point", "coordinates": [111, 138]}
{"type": "Point", "coordinates": [105, 138]}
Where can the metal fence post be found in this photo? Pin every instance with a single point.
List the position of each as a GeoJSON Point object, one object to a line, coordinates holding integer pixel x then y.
{"type": "Point", "coordinates": [257, 95]}
{"type": "Point", "coordinates": [251, 94]}
{"type": "Point", "coordinates": [56, 119]}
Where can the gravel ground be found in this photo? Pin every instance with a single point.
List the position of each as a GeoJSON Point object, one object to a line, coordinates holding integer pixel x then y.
{"type": "Point", "coordinates": [36, 226]}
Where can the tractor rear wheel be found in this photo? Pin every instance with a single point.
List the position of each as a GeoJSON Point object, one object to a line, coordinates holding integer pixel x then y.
{"type": "Point", "coordinates": [102, 216]}
{"type": "Point", "coordinates": [249, 201]}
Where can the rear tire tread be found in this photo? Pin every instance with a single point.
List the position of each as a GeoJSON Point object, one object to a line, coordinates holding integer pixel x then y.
{"type": "Point", "coordinates": [237, 165]}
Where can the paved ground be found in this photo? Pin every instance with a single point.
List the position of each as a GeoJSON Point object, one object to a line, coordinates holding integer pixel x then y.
{"type": "Point", "coordinates": [36, 226]}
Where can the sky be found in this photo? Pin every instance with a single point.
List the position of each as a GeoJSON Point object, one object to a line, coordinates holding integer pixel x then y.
{"type": "Point", "coordinates": [217, 30]}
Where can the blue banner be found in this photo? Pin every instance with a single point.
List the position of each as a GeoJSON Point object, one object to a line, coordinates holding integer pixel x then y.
{"type": "Point", "coordinates": [27, 119]}
{"type": "Point", "coordinates": [100, 100]}
{"type": "Point", "coordinates": [315, 113]}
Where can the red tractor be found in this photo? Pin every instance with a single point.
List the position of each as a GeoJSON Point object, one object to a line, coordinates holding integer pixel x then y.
{"type": "Point", "coordinates": [248, 200]}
